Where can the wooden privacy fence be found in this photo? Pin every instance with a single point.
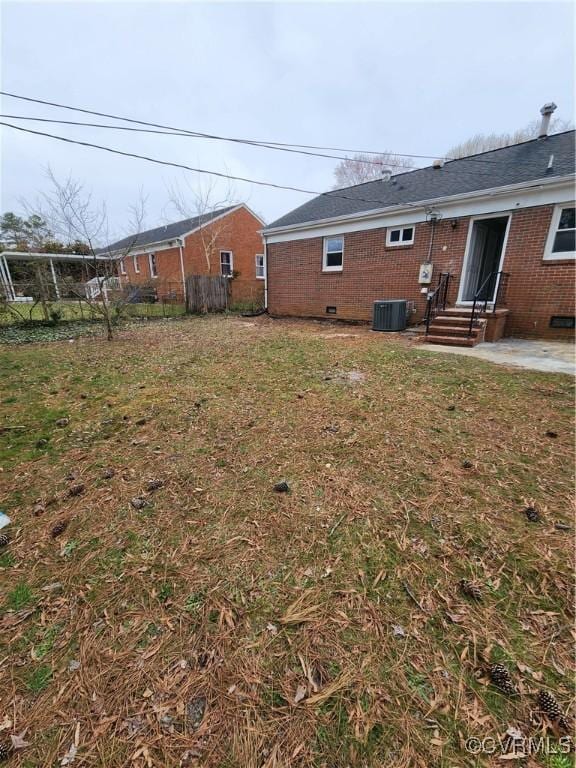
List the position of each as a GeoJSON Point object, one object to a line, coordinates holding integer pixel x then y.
{"type": "Point", "coordinates": [207, 294]}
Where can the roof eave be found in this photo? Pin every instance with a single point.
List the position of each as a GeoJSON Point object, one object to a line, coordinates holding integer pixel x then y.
{"type": "Point", "coordinates": [144, 247]}
{"type": "Point", "coordinates": [376, 212]}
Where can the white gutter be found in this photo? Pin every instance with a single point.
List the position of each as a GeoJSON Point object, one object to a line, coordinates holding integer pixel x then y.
{"type": "Point", "coordinates": [33, 256]}
{"type": "Point", "coordinates": [404, 207]}
{"type": "Point", "coordinates": [137, 251]}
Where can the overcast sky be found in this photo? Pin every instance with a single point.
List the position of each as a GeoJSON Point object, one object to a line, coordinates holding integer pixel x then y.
{"type": "Point", "coordinates": [408, 77]}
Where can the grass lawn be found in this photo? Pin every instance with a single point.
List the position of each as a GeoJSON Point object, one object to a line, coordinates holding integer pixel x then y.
{"type": "Point", "coordinates": [214, 622]}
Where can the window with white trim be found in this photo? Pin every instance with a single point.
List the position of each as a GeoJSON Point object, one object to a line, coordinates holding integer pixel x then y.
{"type": "Point", "coordinates": [153, 266]}
{"type": "Point", "coordinates": [561, 243]}
{"type": "Point", "coordinates": [136, 265]}
{"type": "Point", "coordinates": [122, 267]}
{"type": "Point", "coordinates": [260, 269]}
{"type": "Point", "coordinates": [333, 254]}
{"type": "Point", "coordinates": [226, 263]}
{"type": "Point", "coordinates": [400, 236]}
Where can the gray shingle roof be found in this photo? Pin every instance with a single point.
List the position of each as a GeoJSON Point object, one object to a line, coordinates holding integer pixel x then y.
{"type": "Point", "coordinates": [516, 164]}
{"type": "Point", "coordinates": [167, 232]}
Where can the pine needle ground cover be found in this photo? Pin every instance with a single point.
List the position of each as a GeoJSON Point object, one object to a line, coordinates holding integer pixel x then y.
{"type": "Point", "coordinates": [162, 605]}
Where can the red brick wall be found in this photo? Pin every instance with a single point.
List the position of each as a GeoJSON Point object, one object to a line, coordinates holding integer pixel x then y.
{"type": "Point", "coordinates": [536, 289]}
{"type": "Point", "coordinates": [169, 280]}
{"type": "Point", "coordinates": [238, 232]}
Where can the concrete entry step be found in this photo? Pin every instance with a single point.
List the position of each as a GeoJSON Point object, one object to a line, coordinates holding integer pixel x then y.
{"type": "Point", "coordinates": [453, 341]}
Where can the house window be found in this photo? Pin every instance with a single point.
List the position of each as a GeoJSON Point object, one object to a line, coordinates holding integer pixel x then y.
{"type": "Point", "coordinates": [260, 271]}
{"type": "Point", "coordinates": [122, 267]}
{"type": "Point", "coordinates": [333, 256]}
{"type": "Point", "coordinates": [226, 263]}
{"type": "Point", "coordinates": [153, 267]}
{"type": "Point", "coordinates": [136, 265]}
{"type": "Point", "coordinates": [561, 243]}
{"type": "Point", "coordinates": [400, 236]}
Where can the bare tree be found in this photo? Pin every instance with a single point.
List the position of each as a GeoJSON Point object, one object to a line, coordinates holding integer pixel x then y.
{"type": "Point", "coordinates": [363, 167]}
{"type": "Point", "coordinates": [73, 216]}
{"type": "Point", "coordinates": [484, 142]}
{"type": "Point", "coordinates": [204, 201]}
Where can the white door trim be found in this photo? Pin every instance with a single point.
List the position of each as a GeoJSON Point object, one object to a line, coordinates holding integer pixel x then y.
{"type": "Point", "coordinates": [459, 300]}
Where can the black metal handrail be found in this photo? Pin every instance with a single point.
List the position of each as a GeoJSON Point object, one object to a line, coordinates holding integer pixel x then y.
{"type": "Point", "coordinates": [436, 301]}
{"type": "Point", "coordinates": [495, 280]}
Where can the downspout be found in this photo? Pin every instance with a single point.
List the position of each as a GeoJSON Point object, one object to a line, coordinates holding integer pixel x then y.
{"type": "Point", "coordinates": [180, 247]}
{"type": "Point", "coordinates": [54, 279]}
{"type": "Point", "coordinates": [265, 274]}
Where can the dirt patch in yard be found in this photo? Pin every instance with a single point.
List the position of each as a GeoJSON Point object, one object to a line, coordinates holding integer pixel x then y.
{"type": "Point", "coordinates": [218, 622]}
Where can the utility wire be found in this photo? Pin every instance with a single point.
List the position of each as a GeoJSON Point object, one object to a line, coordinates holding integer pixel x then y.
{"type": "Point", "coordinates": [379, 163]}
{"type": "Point", "coordinates": [265, 144]}
{"type": "Point", "coordinates": [190, 168]}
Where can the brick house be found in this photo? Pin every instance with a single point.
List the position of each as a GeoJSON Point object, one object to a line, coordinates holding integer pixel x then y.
{"type": "Point", "coordinates": [223, 242]}
{"type": "Point", "coordinates": [500, 225]}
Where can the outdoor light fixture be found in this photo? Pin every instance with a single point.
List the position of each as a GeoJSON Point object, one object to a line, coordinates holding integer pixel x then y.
{"type": "Point", "coordinates": [432, 216]}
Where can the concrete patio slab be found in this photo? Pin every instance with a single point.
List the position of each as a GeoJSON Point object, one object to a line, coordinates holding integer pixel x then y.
{"type": "Point", "coordinates": [548, 356]}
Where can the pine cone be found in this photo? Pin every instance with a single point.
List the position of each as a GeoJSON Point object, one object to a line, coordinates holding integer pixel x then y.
{"type": "Point", "coordinates": [76, 490]}
{"type": "Point", "coordinates": [470, 589]}
{"type": "Point", "coordinates": [532, 514]}
{"type": "Point", "coordinates": [153, 485]}
{"type": "Point", "coordinates": [4, 540]}
{"type": "Point", "coordinates": [500, 677]}
{"type": "Point", "coordinates": [59, 528]}
{"type": "Point", "coordinates": [5, 752]}
{"type": "Point", "coordinates": [282, 487]}
{"type": "Point", "coordinates": [548, 705]}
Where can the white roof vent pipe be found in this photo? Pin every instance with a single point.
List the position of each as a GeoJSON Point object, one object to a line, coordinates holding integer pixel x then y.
{"type": "Point", "coordinates": [437, 164]}
{"type": "Point", "coordinates": [386, 173]}
{"type": "Point", "coordinates": [546, 113]}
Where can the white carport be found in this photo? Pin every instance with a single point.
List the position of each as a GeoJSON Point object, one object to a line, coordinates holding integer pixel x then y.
{"type": "Point", "coordinates": [7, 284]}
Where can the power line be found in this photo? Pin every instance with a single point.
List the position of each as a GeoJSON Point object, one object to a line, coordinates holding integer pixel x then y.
{"type": "Point", "coordinates": [198, 134]}
{"type": "Point", "coordinates": [379, 163]}
{"type": "Point", "coordinates": [190, 168]}
{"type": "Point", "coordinates": [205, 135]}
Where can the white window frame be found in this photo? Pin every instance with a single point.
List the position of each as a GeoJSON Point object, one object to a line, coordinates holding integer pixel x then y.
{"type": "Point", "coordinates": [325, 267]}
{"type": "Point", "coordinates": [549, 254]}
{"type": "Point", "coordinates": [135, 263]}
{"type": "Point", "coordinates": [122, 267]}
{"type": "Point", "coordinates": [262, 266]}
{"type": "Point", "coordinates": [400, 242]}
{"type": "Point", "coordinates": [152, 261]}
{"type": "Point", "coordinates": [231, 263]}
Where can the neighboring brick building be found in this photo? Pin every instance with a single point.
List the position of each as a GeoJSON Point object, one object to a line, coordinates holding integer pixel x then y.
{"type": "Point", "coordinates": [502, 224]}
{"type": "Point", "coordinates": [224, 242]}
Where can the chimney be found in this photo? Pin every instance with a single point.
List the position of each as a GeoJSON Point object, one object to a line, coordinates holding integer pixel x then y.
{"type": "Point", "coordinates": [546, 113]}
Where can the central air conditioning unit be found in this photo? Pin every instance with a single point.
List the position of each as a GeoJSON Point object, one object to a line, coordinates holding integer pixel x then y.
{"type": "Point", "coordinates": [390, 315]}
